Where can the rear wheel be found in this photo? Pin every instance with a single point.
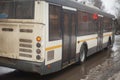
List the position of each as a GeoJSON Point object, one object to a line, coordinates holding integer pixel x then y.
{"type": "Point", "coordinates": [109, 45]}
{"type": "Point", "coordinates": [83, 54]}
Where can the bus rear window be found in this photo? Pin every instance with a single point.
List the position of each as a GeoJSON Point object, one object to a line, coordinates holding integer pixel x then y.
{"type": "Point", "coordinates": [16, 9]}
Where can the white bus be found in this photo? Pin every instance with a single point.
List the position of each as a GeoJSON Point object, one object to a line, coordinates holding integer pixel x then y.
{"type": "Point", "coordinates": [45, 36]}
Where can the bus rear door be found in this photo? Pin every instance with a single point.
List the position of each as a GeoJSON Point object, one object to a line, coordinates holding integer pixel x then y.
{"type": "Point", "coordinates": [69, 38]}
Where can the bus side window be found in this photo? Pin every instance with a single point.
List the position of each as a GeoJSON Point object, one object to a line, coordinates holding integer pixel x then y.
{"type": "Point", "coordinates": [107, 24]}
{"type": "Point", "coordinates": [54, 22]}
{"type": "Point", "coordinates": [86, 24]}
{"type": "Point", "coordinates": [82, 23]}
{"type": "Point", "coordinates": [92, 26]}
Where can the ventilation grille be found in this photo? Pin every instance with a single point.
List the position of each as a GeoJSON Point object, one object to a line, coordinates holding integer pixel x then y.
{"type": "Point", "coordinates": [50, 55]}
{"type": "Point", "coordinates": [7, 29]}
{"type": "Point", "coordinates": [25, 48]}
{"type": "Point", "coordinates": [26, 30]}
{"type": "Point", "coordinates": [25, 40]}
{"type": "Point", "coordinates": [25, 45]}
{"type": "Point", "coordinates": [25, 55]}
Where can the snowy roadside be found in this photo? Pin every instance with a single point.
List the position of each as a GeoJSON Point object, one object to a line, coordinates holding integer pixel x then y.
{"type": "Point", "coordinates": [108, 70]}
{"type": "Point", "coordinates": [115, 76]}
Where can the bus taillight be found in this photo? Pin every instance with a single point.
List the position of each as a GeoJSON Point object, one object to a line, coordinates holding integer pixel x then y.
{"type": "Point", "coordinates": [38, 38]}
{"type": "Point", "coordinates": [38, 57]}
{"type": "Point", "coordinates": [38, 51]}
{"type": "Point", "coordinates": [38, 45]}
{"type": "Point", "coordinates": [95, 16]}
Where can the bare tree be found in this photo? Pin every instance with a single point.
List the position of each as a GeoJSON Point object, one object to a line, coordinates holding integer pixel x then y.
{"type": "Point", "coordinates": [117, 11]}
{"type": "Point", "coordinates": [117, 8]}
{"type": "Point", "coordinates": [97, 3]}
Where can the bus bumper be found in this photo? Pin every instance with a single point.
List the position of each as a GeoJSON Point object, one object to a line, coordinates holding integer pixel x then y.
{"type": "Point", "coordinates": [23, 65]}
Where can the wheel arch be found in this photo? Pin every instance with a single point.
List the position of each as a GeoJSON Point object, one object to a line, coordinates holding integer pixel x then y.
{"type": "Point", "coordinates": [86, 45]}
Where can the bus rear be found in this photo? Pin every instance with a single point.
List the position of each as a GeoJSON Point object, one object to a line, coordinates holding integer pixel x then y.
{"type": "Point", "coordinates": [21, 35]}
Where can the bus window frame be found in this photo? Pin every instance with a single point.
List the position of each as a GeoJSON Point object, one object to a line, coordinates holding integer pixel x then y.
{"type": "Point", "coordinates": [59, 35]}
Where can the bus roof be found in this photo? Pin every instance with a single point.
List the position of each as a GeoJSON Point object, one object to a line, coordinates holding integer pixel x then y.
{"type": "Point", "coordinates": [80, 7]}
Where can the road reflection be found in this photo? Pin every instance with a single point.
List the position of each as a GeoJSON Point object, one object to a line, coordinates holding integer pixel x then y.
{"type": "Point", "coordinates": [74, 72]}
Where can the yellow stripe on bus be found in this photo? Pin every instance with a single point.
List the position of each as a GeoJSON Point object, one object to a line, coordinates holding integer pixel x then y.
{"type": "Point", "coordinates": [93, 38]}
{"type": "Point", "coordinates": [53, 47]}
{"type": "Point", "coordinates": [87, 39]}
{"type": "Point", "coordinates": [59, 46]}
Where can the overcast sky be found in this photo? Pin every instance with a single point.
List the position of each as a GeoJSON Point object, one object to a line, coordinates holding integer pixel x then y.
{"type": "Point", "coordinates": [109, 6]}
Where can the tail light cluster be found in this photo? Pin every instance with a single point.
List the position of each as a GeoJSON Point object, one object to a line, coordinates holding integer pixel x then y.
{"type": "Point", "coordinates": [38, 45]}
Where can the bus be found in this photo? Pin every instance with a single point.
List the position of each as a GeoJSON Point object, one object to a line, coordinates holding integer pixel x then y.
{"type": "Point", "coordinates": [45, 36]}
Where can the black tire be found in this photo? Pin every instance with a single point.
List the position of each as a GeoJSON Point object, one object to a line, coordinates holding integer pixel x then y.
{"type": "Point", "coordinates": [82, 56]}
{"type": "Point", "coordinates": [109, 44]}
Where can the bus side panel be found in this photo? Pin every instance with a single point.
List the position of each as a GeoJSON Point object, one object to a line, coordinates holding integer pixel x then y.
{"type": "Point", "coordinates": [106, 38]}
{"type": "Point", "coordinates": [91, 41]}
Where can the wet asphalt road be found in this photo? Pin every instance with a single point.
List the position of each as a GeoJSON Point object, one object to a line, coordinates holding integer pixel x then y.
{"type": "Point", "coordinates": [100, 66]}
